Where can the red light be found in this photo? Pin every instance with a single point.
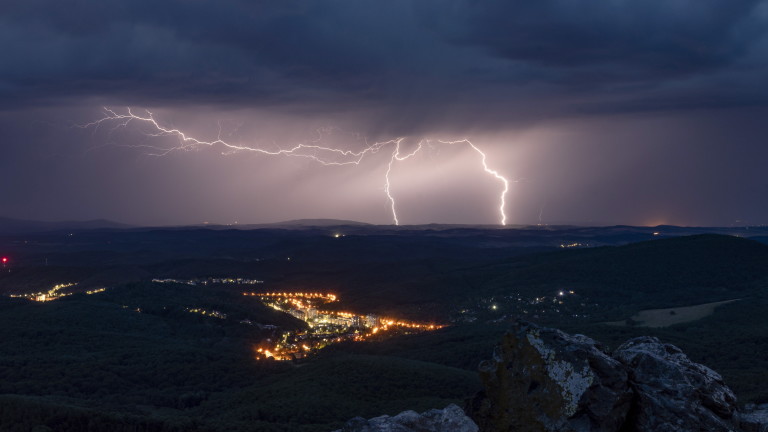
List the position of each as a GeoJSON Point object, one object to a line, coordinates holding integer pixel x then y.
{"type": "Point", "coordinates": [5, 260]}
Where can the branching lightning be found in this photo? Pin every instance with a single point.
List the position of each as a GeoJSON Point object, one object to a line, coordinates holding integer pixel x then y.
{"type": "Point", "coordinates": [319, 153]}
{"type": "Point", "coordinates": [496, 174]}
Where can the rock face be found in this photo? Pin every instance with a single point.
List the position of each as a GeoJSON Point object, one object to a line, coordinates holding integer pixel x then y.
{"type": "Point", "coordinates": [449, 419]}
{"type": "Point", "coordinates": [545, 380]}
{"type": "Point", "coordinates": [672, 392]}
{"type": "Point", "coordinates": [754, 418]}
{"type": "Point", "coordinates": [542, 379]}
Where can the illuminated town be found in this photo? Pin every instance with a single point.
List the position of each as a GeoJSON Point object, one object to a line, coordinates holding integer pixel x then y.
{"type": "Point", "coordinates": [210, 281]}
{"type": "Point", "coordinates": [206, 312]}
{"type": "Point", "coordinates": [324, 327]}
{"type": "Point", "coordinates": [52, 294]}
{"type": "Point", "coordinates": [573, 245]}
{"type": "Point", "coordinates": [56, 292]}
{"type": "Point", "coordinates": [499, 308]}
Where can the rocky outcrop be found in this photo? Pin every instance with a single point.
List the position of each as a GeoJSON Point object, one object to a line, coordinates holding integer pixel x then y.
{"type": "Point", "coordinates": [450, 419]}
{"type": "Point", "coordinates": [672, 392]}
{"type": "Point", "coordinates": [542, 379]}
{"type": "Point", "coordinates": [754, 418]}
{"type": "Point", "coordinates": [545, 380]}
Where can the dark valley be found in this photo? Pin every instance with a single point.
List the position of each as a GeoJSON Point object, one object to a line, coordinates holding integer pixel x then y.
{"type": "Point", "coordinates": [302, 329]}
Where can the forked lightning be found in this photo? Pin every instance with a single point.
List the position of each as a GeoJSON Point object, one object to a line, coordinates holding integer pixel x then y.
{"type": "Point", "coordinates": [322, 154]}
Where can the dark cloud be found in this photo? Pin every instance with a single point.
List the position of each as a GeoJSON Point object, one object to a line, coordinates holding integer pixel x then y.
{"type": "Point", "coordinates": [349, 54]}
{"type": "Point", "coordinates": [248, 52]}
{"type": "Point", "coordinates": [468, 68]}
{"type": "Point", "coordinates": [678, 36]}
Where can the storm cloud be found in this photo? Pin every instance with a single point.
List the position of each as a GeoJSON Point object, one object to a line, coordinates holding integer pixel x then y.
{"type": "Point", "coordinates": [494, 70]}
{"type": "Point", "coordinates": [365, 53]}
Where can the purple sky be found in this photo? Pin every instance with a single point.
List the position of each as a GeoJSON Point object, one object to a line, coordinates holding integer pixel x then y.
{"type": "Point", "coordinates": [626, 112]}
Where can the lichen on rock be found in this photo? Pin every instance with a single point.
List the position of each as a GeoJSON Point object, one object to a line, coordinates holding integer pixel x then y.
{"type": "Point", "coordinates": [542, 379]}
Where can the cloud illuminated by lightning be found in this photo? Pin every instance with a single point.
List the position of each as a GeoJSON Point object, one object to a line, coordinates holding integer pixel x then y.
{"type": "Point", "coordinates": [319, 153]}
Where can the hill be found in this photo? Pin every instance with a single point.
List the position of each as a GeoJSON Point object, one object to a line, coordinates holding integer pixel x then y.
{"type": "Point", "coordinates": [140, 355]}
{"type": "Point", "coordinates": [19, 226]}
{"type": "Point", "coordinates": [138, 358]}
{"type": "Point", "coordinates": [661, 273]}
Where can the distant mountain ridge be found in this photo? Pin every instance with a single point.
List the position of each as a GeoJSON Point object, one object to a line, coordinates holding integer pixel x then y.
{"type": "Point", "coordinates": [20, 226]}
{"type": "Point", "coordinates": [316, 223]}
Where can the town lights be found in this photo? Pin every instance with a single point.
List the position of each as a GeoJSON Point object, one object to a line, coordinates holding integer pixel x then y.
{"type": "Point", "coordinates": [324, 326]}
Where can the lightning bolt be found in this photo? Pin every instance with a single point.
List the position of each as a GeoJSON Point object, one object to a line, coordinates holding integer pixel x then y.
{"type": "Point", "coordinates": [498, 176]}
{"type": "Point", "coordinates": [322, 154]}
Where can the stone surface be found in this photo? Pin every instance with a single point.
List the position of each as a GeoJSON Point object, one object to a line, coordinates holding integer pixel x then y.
{"type": "Point", "coordinates": [542, 379]}
{"type": "Point", "coordinates": [754, 418]}
{"type": "Point", "coordinates": [449, 419]}
{"type": "Point", "coordinates": [672, 392]}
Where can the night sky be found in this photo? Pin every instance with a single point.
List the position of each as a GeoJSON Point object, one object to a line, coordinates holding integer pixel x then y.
{"type": "Point", "coordinates": [638, 112]}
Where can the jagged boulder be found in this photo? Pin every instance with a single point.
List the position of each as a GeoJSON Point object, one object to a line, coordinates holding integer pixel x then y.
{"type": "Point", "coordinates": [672, 392]}
{"type": "Point", "coordinates": [754, 418]}
{"type": "Point", "coordinates": [542, 379]}
{"type": "Point", "coordinates": [449, 419]}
